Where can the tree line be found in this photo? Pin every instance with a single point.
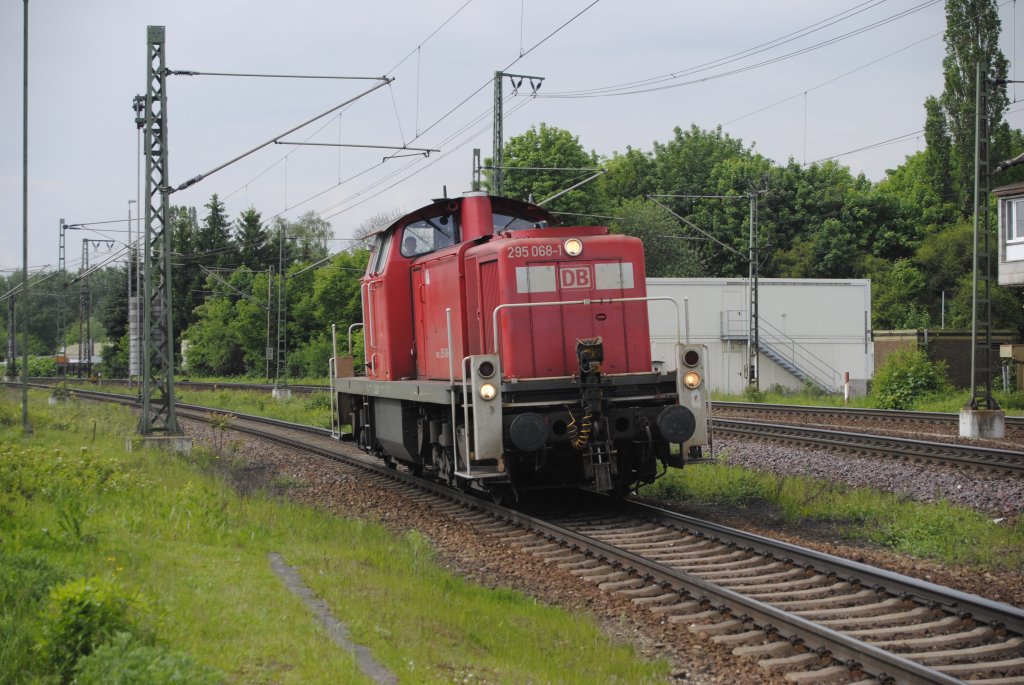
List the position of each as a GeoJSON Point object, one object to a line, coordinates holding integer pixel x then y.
{"type": "Point", "coordinates": [910, 233]}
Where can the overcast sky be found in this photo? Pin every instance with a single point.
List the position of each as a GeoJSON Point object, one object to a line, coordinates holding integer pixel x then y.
{"type": "Point", "coordinates": [88, 59]}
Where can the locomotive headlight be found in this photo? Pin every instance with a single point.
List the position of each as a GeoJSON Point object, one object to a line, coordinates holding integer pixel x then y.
{"type": "Point", "coordinates": [573, 247]}
{"type": "Point", "coordinates": [488, 391]}
{"type": "Point", "coordinates": [692, 380]}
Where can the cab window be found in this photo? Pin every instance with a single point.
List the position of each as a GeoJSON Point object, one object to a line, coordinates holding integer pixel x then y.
{"type": "Point", "coordinates": [508, 222]}
{"type": "Point", "coordinates": [427, 235]}
{"type": "Point", "coordinates": [379, 253]}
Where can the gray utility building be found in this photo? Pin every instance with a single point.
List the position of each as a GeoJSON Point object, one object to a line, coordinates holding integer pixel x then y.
{"type": "Point", "coordinates": [1011, 234]}
{"type": "Point", "coordinates": [810, 331]}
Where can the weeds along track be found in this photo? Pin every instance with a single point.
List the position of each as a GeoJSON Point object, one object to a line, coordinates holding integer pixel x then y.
{"type": "Point", "coordinates": [805, 614]}
{"type": "Point", "coordinates": [76, 383]}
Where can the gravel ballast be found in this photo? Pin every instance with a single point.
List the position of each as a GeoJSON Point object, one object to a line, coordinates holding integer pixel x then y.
{"type": "Point", "coordinates": [992, 493]}
{"type": "Point", "coordinates": [482, 557]}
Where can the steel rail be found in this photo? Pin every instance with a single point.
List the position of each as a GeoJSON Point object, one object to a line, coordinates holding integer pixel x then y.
{"type": "Point", "coordinates": [854, 653]}
{"type": "Point", "coordinates": [967, 605]}
{"type": "Point", "coordinates": [944, 418]}
{"type": "Point", "coordinates": [1008, 461]}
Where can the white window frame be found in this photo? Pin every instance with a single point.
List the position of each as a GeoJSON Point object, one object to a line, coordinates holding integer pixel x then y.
{"type": "Point", "coordinates": [1015, 225]}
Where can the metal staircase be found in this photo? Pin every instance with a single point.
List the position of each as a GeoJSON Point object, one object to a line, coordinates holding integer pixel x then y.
{"type": "Point", "coordinates": [784, 351]}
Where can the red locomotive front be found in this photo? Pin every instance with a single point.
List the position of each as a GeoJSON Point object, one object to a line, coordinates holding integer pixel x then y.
{"type": "Point", "coordinates": [510, 353]}
{"type": "Point", "coordinates": [513, 279]}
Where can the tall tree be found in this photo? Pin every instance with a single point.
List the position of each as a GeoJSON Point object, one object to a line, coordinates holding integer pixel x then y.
{"type": "Point", "coordinates": [251, 240]}
{"type": "Point", "coordinates": [188, 278]}
{"type": "Point", "coordinates": [683, 165]}
{"type": "Point", "coordinates": [630, 176]}
{"type": "Point", "coordinates": [214, 236]}
{"type": "Point", "coordinates": [972, 37]}
{"type": "Point", "coordinates": [938, 151]}
{"type": "Point", "coordinates": [550, 147]}
{"type": "Point", "coordinates": [310, 234]}
{"type": "Point", "coordinates": [668, 248]}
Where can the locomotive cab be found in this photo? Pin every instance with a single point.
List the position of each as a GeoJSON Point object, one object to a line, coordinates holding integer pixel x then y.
{"type": "Point", "coordinates": [506, 352]}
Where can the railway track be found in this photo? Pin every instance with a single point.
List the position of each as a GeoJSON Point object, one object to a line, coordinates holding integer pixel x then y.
{"type": "Point", "coordinates": [809, 615]}
{"type": "Point", "coordinates": [777, 411]}
{"type": "Point", "coordinates": [962, 456]}
{"type": "Point", "coordinates": [1010, 462]}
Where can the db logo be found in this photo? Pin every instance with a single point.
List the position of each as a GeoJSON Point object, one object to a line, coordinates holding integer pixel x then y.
{"type": "Point", "coordinates": [576, 277]}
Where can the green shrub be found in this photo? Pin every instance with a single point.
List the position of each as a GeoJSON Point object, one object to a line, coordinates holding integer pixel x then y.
{"type": "Point", "coordinates": [125, 661]}
{"type": "Point", "coordinates": [9, 415]}
{"type": "Point", "coordinates": [25, 581]}
{"type": "Point", "coordinates": [81, 615]}
{"type": "Point", "coordinates": [752, 394]}
{"type": "Point", "coordinates": [30, 471]}
{"type": "Point", "coordinates": [1011, 400]}
{"type": "Point", "coordinates": [318, 400]}
{"type": "Point", "coordinates": [906, 377]}
{"type": "Point", "coordinates": [42, 366]}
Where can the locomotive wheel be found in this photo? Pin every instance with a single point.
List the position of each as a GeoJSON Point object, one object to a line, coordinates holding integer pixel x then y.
{"type": "Point", "coordinates": [446, 470]}
{"type": "Point", "coordinates": [619, 489]}
{"type": "Point", "coordinates": [501, 494]}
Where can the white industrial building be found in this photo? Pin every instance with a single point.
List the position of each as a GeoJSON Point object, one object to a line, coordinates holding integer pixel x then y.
{"type": "Point", "coordinates": [810, 330]}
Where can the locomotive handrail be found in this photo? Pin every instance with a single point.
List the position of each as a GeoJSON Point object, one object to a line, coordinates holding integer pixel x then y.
{"type": "Point", "coordinates": [451, 381]}
{"type": "Point", "coordinates": [516, 305]}
{"type": "Point", "coordinates": [355, 325]}
{"type": "Point", "coordinates": [369, 310]}
{"type": "Point", "coordinates": [465, 417]}
{"type": "Point", "coordinates": [335, 419]}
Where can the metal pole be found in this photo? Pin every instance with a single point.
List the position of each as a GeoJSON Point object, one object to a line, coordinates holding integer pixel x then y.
{"type": "Point", "coordinates": [139, 107]}
{"type": "Point", "coordinates": [974, 263]}
{"type": "Point", "coordinates": [476, 168]}
{"type": "Point", "coordinates": [83, 307]}
{"type": "Point", "coordinates": [267, 354]}
{"type": "Point", "coordinates": [497, 175]}
{"type": "Point", "coordinates": [24, 246]}
{"type": "Point", "coordinates": [63, 305]}
{"type": "Point", "coordinates": [498, 144]}
{"type": "Point", "coordinates": [755, 352]}
{"type": "Point", "coordinates": [158, 414]}
{"type": "Point", "coordinates": [281, 340]}
{"type": "Point", "coordinates": [129, 311]}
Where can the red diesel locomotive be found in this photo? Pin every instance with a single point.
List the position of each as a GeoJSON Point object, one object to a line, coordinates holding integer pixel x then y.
{"type": "Point", "coordinates": [506, 353]}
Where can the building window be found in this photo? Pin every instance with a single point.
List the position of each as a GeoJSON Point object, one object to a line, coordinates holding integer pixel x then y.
{"type": "Point", "coordinates": [1015, 227]}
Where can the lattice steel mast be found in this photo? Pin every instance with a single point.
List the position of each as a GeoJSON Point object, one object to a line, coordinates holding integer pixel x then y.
{"type": "Point", "coordinates": [158, 413]}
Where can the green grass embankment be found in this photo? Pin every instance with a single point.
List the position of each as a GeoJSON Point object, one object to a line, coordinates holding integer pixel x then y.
{"type": "Point", "coordinates": [178, 562]}
{"type": "Point", "coordinates": [941, 531]}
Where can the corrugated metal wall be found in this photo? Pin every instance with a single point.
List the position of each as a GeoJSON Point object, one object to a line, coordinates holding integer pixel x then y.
{"type": "Point", "coordinates": [821, 327]}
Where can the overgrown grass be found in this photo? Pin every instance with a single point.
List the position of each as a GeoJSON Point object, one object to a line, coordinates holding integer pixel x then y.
{"type": "Point", "coordinates": [313, 409]}
{"type": "Point", "coordinates": [191, 554]}
{"type": "Point", "coordinates": [954, 535]}
{"type": "Point", "coordinates": [1012, 403]}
